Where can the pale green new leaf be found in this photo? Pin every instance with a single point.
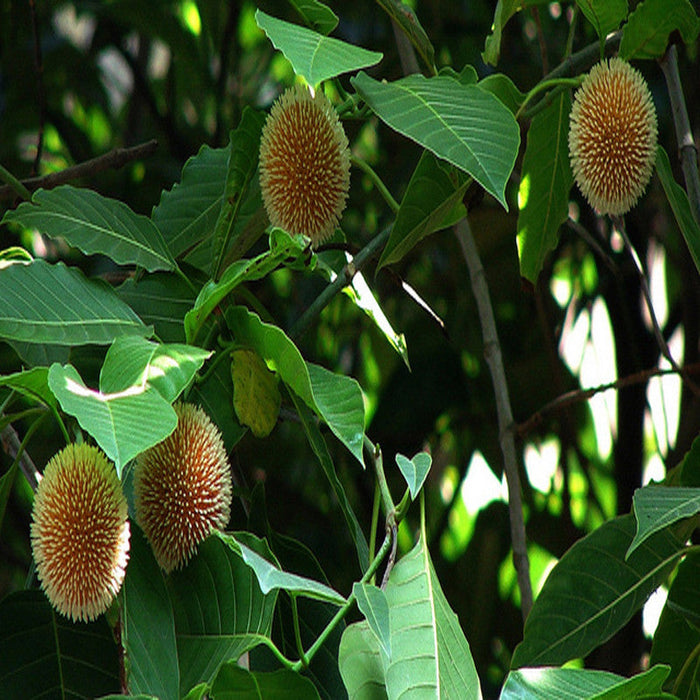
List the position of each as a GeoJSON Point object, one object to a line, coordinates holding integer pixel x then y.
{"type": "Point", "coordinates": [604, 15]}
{"type": "Point", "coordinates": [187, 214]}
{"type": "Point", "coordinates": [546, 178]}
{"type": "Point", "coordinates": [433, 201]}
{"type": "Point", "coordinates": [599, 589]}
{"type": "Point", "coordinates": [657, 507]}
{"type": "Point", "coordinates": [373, 604]}
{"type": "Point", "coordinates": [360, 663]}
{"type": "Point", "coordinates": [95, 224]}
{"type": "Point", "coordinates": [678, 199]}
{"type": "Point", "coordinates": [55, 304]}
{"type": "Point", "coordinates": [314, 56]}
{"type": "Point", "coordinates": [316, 15]}
{"type": "Point", "coordinates": [124, 423]}
{"type": "Point", "coordinates": [415, 471]}
{"type": "Point", "coordinates": [271, 578]}
{"type": "Point", "coordinates": [648, 28]}
{"type": "Point", "coordinates": [463, 124]}
{"type": "Point", "coordinates": [581, 684]}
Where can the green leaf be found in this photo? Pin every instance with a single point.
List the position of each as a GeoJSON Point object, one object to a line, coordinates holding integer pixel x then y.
{"type": "Point", "coordinates": [242, 168]}
{"type": "Point", "coordinates": [414, 471]}
{"type": "Point", "coordinates": [316, 15]}
{"type": "Point", "coordinates": [505, 9]}
{"type": "Point", "coordinates": [504, 89]}
{"type": "Point", "coordinates": [543, 195]}
{"type": "Point", "coordinates": [33, 383]}
{"type": "Point", "coordinates": [373, 604]}
{"type": "Point", "coordinates": [272, 578]}
{"type": "Point", "coordinates": [187, 214]}
{"type": "Point", "coordinates": [148, 625]}
{"type": "Point", "coordinates": [657, 507]}
{"type": "Point", "coordinates": [95, 224]}
{"type": "Point", "coordinates": [314, 56]}
{"type": "Point", "coordinates": [678, 199]}
{"type": "Point", "coordinates": [161, 300]}
{"type": "Point", "coordinates": [44, 655]}
{"type": "Point", "coordinates": [124, 423]}
{"type": "Point", "coordinates": [599, 589]}
{"type": "Point", "coordinates": [256, 396]}
{"type": "Point", "coordinates": [404, 16]}
{"type": "Point", "coordinates": [7, 482]}
{"type": "Point", "coordinates": [677, 636]}
{"type": "Point", "coordinates": [282, 246]}
{"type": "Point", "coordinates": [136, 362]}
{"type": "Point", "coordinates": [604, 15]}
{"type": "Point", "coordinates": [235, 683]}
{"type": "Point", "coordinates": [581, 684]}
{"type": "Point", "coordinates": [337, 399]}
{"type": "Point", "coordinates": [648, 28]}
{"type": "Point", "coordinates": [220, 611]}
{"type": "Point", "coordinates": [432, 202]}
{"type": "Point", "coordinates": [55, 304]}
{"type": "Point", "coordinates": [318, 445]}
{"type": "Point", "coordinates": [360, 662]}
{"type": "Point", "coordinates": [463, 124]}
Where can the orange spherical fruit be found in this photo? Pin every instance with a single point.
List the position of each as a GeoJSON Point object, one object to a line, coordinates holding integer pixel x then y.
{"type": "Point", "coordinates": [612, 136]}
{"type": "Point", "coordinates": [80, 532]}
{"type": "Point", "coordinates": [183, 488]}
{"type": "Point", "coordinates": [304, 165]}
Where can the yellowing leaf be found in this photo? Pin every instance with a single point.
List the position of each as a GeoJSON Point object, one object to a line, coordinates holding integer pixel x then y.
{"type": "Point", "coordinates": [256, 397]}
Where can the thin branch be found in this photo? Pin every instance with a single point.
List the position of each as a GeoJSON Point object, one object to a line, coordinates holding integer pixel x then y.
{"type": "Point", "coordinates": [494, 359]}
{"type": "Point", "coordinates": [687, 149]}
{"type": "Point", "coordinates": [113, 160]}
{"type": "Point", "coordinates": [579, 395]}
{"type": "Point", "coordinates": [12, 445]}
{"type": "Point", "coordinates": [39, 65]}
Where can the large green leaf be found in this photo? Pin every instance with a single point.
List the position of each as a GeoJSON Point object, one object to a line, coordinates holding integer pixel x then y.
{"type": "Point", "coordinates": [44, 655]}
{"type": "Point", "coordinates": [678, 199]}
{"type": "Point", "coordinates": [677, 636]}
{"type": "Point", "coordinates": [314, 56]}
{"type": "Point", "coordinates": [272, 578]}
{"type": "Point", "coordinates": [604, 15]}
{"type": "Point", "coordinates": [657, 507]}
{"type": "Point", "coordinates": [123, 423]}
{"type": "Point", "coordinates": [148, 626]}
{"type": "Point", "coordinates": [463, 124]}
{"type": "Point", "coordinates": [95, 224]}
{"type": "Point", "coordinates": [582, 684]}
{"type": "Point", "coordinates": [648, 28]}
{"type": "Point", "coordinates": [337, 399]}
{"type": "Point", "coordinates": [316, 15]}
{"type": "Point", "coordinates": [598, 588]}
{"type": "Point", "coordinates": [33, 383]}
{"type": "Point", "coordinates": [505, 9]}
{"type": "Point", "coordinates": [429, 655]}
{"type": "Point", "coordinates": [220, 611]}
{"type": "Point", "coordinates": [545, 181]}
{"type": "Point", "coordinates": [187, 214]}
{"type": "Point", "coordinates": [43, 303]}
{"type": "Point", "coordinates": [242, 168]}
{"type": "Point", "coordinates": [318, 445]}
{"type": "Point", "coordinates": [433, 201]}
{"type": "Point", "coordinates": [235, 683]}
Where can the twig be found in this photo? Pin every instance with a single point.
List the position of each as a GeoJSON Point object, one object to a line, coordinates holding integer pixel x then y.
{"type": "Point", "coordinates": [684, 135]}
{"type": "Point", "coordinates": [492, 354]}
{"type": "Point", "coordinates": [619, 224]}
{"type": "Point", "coordinates": [578, 395]}
{"type": "Point", "coordinates": [407, 56]}
{"type": "Point", "coordinates": [540, 39]}
{"type": "Point", "coordinates": [39, 64]}
{"type": "Point", "coordinates": [13, 447]}
{"type": "Point", "coordinates": [113, 160]}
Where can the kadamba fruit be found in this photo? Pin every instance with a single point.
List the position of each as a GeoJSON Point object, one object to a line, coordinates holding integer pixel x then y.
{"type": "Point", "coordinates": [183, 488]}
{"type": "Point", "coordinates": [612, 136]}
{"type": "Point", "coordinates": [304, 164]}
{"type": "Point", "coordinates": [80, 532]}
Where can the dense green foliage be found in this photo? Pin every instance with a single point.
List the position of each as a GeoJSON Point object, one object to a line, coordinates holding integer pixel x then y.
{"type": "Point", "coordinates": [372, 549]}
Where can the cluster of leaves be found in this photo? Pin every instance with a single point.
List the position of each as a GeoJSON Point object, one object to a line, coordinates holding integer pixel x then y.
{"type": "Point", "coordinates": [184, 323]}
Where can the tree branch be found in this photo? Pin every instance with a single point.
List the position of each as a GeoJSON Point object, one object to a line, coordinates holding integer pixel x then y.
{"type": "Point", "coordinates": [113, 160]}
{"type": "Point", "coordinates": [494, 359]}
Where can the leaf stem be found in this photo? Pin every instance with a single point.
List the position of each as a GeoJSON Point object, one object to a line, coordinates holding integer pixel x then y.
{"type": "Point", "coordinates": [17, 187]}
{"type": "Point", "coordinates": [375, 523]}
{"type": "Point", "coordinates": [376, 181]}
{"type": "Point", "coordinates": [297, 633]}
{"type": "Point", "coordinates": [546, 85]}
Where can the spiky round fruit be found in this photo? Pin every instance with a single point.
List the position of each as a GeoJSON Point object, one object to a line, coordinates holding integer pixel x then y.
{"type": "Point", "coordinates": [183, 488]}
{"type": "Point", "coordinates": [304, 164]}
{"type": "Point", "coordinates": [612, 136]}
{"type": "Point", "coordinates": [80, 532]}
